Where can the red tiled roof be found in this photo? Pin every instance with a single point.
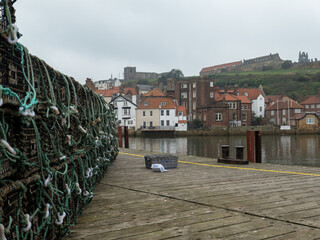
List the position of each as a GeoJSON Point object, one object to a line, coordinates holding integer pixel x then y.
{"type": "Point", "coordinates": [181, 109]}
{"type": "Point", "coordinates": [154, 93]}
{"type": "Point", "coordinates": [274, 98]}
{"type": "Point", "coordinates": [218, 67]}
{"type": "Point", "coordinates": [284, 105]}
{"type": "Point", "coordinates": [302, 115]}
{"type": "Point", "coordinates": [244, 99]}
{"type": "Point", "coordinates": [107, 92]}
{"type": "Point", "coordinates": [129, 90]}
{"type": "Point", "coordinates": [253, 93]}
{"type": "Point", "coordinates": [313, 99]}
{"type": "Point", "coordinates": [227, 97]}
{"type": "Point", "coordinates": [155, 103]}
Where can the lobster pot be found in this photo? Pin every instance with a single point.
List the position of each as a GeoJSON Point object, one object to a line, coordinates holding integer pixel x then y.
{"type": "Point", "coordinates": [168, 161]}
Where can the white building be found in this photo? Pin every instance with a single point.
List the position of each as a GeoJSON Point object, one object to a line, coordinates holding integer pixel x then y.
{"type": "Point", "coordinates": [107, 84]}
{"type": "Point", "coordinates": [159, 112]}
{"type": "Point", "coordinates": [258, 99]}
{"type": "Point", "coordinates": [125, 111]}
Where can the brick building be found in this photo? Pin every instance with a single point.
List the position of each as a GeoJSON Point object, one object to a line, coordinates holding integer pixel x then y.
{"type": "Point", "coordinates": [312, 103]}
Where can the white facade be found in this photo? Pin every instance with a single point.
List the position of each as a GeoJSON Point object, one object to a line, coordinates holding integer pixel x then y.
{"type": "Point", "coordinates": [125, 111]}
{"type": "Point", "coordinates": [258, 106]}
{"type": "Point", "coordinates": [107, 84]}
{"type": "Point", "coordinates": [168, 119]}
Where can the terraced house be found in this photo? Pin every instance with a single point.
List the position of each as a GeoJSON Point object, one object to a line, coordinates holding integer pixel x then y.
{"type": "Point", "coordinates": [156, 111]}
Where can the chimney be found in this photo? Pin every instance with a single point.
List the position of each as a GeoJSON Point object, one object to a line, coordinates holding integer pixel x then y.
{"type": "Point", "coordinates": [236, 89]}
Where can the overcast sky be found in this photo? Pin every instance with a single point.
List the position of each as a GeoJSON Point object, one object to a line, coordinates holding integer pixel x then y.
{"type": "Point", "coordinates": [97, 38]}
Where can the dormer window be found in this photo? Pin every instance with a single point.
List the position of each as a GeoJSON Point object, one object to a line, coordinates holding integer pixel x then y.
{"type": "Point", "coordinates": [145, 103]}
{"type": "Point", "coordinates": [246, 94]}
{"type": "Point", "coordinates": [163, 103]}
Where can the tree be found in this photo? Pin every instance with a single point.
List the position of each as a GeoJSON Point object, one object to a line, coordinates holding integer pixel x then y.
{"type": "Point", "coordinates": [287, 64]}
{"type": "Point", "coordinates": [174, 73]}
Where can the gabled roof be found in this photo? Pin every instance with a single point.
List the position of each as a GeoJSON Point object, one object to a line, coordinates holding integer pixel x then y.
{"type": "Point", "coordinates": [244, 99]}
{"type": "Point", "coordinates": [313, 99]}
{"type": "Point", "coordinates": [274, 98]}
{"type": "Point", "coordinates": [182, 109]}
{"type": "Point", "coordinates": [155, 103]}
{"type": "Point", "coordinates": [156, 92]}
{"type": "Point", "coordinates": [129, 91]}
{"type": "Point", "coordinates": [124, 97]}
{"type": "Point", "coordinates": [299, 116]}
{"type": "Point", "coordinates": [253, 93]}
{"type": "Point", "coordinates": [227, 97]}
{"type": "Point", "coordinates": [219, 67]}
{"type": "Point", "coordinates": [108, 92]}
{"type": "Point", "coordinates": [285, 105]}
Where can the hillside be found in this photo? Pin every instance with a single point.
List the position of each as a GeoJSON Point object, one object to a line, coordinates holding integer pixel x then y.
{"type": "Point", "coordinates": [295, 83]}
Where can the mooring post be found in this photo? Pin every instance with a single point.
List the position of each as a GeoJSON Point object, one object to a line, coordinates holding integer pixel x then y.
{"type": "Point", "coordinates": [250, 146]}
{"type": "Point", "coordinates": [225, 151]}
{"type": "Point", "coordinates": [258, 146]}
{"type": "Point", "coordinates": [126, 137]}
{"type": "Point", "coordinates": [239, 152]}
{"type": "Point", "coordinates": [120, 136]}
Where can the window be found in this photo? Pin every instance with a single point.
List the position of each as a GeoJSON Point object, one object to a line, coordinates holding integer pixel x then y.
{"type": "Point", "coordinates": [146, 103]}
{"type": "Point", "coordinates": [167, 112]}
{"type": "Point", "coordinates": [283, 112]}
{"type": "Point", "coordinates": [211, 94]}
{"type": "Point", "coordinates": [194, 94]}
{"type": "Point", "coordinates": [318, 105]}
{"type": "Point", "coordinates": [151, 124]}
{"type": "Point", "coordinates": [194, 85]}
{"type": "Point", "coordinates": [260, 109]}
{"type": "Point", "coordinates": [245, 107]}
{"type": "Point", "coordinates": [126, 111]}
{"type": "Point", "coordinates": [194, 105]}
{"type": "Point", "coordinates": [272, 112]}
{"type": "Point", "coordinates": [244, 117]}
{"type": "Point", "coordinates": [184, 85]}
{"type": "Point", "coordinates": [183, 95]}
{"type": "Point", "coordinates": [168, 123]}
{"type": "Point", "coordinates": [144, 124]}
{"type": "Point", "coordinates": [180, 113]}
{"type": "Point", "coordinates": [211, 84]}
{"type": "Point", "coordinates": [307, 106]}
{"type": "Point", "coordinates": [297, 111]}
{"type": "Point", "coordinates": [218, 117]}
{"type": "Point", "coordinates": [312, 106]}
{"type": "Point", "coordinates": [234, 106]}
{"type": "Point", "coordinates": [234, 116]}
{"type": "Point", "coordinates": [204, 116]}
{"type": "Point", "coordinates": [125, 103]}
{"type": "Point", "coordinates": [163, 103]}
{"type": "Point", "coordinates": [162, 112]}
{"type": "Point", "coordinates": [151, 113]}
{"type": "Point", "coordinates": [310, 120]}
{"type": "Point", "coordinates": [144, 113]}
{"type": "Point", "coordinates": [162, 123]}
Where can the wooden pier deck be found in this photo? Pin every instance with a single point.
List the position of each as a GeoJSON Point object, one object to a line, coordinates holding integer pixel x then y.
{"type": "Point", "coordinates": [202, 199]}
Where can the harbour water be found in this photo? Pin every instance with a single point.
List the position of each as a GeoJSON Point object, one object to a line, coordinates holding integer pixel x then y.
{"type": "Point", "coordinates": [291, 150]}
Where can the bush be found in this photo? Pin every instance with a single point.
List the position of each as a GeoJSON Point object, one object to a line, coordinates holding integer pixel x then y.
{"type": "Point", "coordinates": [195, 124]}
{"type": "Point", "coordinates": [286, 64]}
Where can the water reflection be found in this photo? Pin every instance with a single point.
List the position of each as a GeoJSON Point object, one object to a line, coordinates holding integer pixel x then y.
{"type": "Point", "coordinates": [293, 149]}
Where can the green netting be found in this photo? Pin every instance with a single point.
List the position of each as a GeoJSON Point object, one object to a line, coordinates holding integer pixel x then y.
{"type": "Point", "coordinates": [57, 139]}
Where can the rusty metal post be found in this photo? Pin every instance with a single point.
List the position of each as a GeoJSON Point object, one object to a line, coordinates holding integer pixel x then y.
{"type": "Point", "coordinates": [225, 151]}
{"type": "Point", "coordinates": [239, 152]}
{"type": "Point", "coordinates": [126, 137]}
{"type": "Point", "coordinates": [250, 146]}
{"type": "Point", "coordinates": [120, 136]}
{"type": "Point", "coordinates": [258, 146]}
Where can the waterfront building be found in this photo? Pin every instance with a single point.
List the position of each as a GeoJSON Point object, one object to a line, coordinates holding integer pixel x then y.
{"type": "Point", "coordinates": [307, 121]}
{"type": "Point", "coordinates": [312, 103]}
{"type": "Point", "coordinates": [282, 112]}
{"type": "Point", "coordinates": [158, 112]}
{"type": "Point", "coordinates": [125, 111]}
